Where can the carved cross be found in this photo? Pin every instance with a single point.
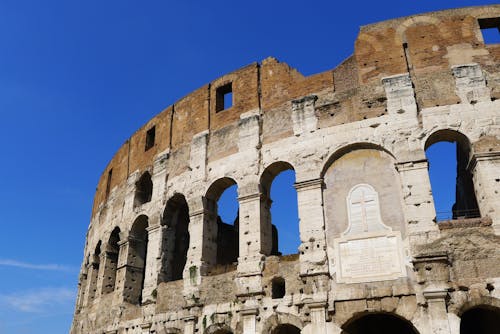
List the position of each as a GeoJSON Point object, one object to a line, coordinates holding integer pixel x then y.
{"type": "Point", "coordinates": [363, 201]}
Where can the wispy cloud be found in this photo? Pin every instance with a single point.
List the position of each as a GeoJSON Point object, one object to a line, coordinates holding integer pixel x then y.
{"type": "Point", "coordinates": [34, 266]}
{"type": "Point", "coordinates": [39, 301]}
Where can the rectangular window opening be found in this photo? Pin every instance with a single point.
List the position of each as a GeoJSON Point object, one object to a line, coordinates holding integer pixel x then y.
{"type": "Point", "coordinates": [108, 182]}
{"type": "Point", "coordinates": [490, 28]}
{"type": "Point", "coordinates": [224, 97]}
{"type": "Point", "coordinates": [150, 138]}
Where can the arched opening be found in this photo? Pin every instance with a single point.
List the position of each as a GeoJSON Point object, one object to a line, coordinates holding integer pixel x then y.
{"type": "Point", "coordinates": [136, 260]}
{"type": "Point", "coordinates": [448, 153]}
{"type": "Point", "coordinates": [286, 329]}
{"type": "Point", "coordinates": [222, 203]}
{"type": "Point", "coordinates": [278, 288]}
{"type": "Point", "coordinates": [175, 238]}
{"type": "Point", "coordinates": [480, 320]}
{"type": "Point", "coordinates": [143, 189]}
{"type": "Point", "coordinates": [279, 209]}
{"type": "Point", "coordinates": [94, 271]}
{"type": "Point", "coordinates": [111, 261]}
{"type": "Point", "coordinates": [377, 323]}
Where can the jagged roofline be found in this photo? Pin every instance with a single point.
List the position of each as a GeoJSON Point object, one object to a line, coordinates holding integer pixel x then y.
{"type": "Point", "coordinates": [476, 11]}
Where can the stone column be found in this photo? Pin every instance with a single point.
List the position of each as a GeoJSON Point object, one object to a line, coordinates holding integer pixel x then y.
{"type": "Point", "coordinates": [152, 255]}
{"type": "Point", "coordinates": [470, 83]}
{"type": "Point", "coordinates": [254, 242]}
{"type": "Point", "coordinates": [485, 169]}
{"type": "Point", "coordinates": [121, 269]}
{"type": "Point", "coordinates": [303, 115]}
{"type": "Point", "coordinates": [433, 276]}
{"type": "Point", "coordinates": [190, 324]}
{"type": "Point", "coordinates": [401, 102]}
{"type": "Point", "coordinates": [313, 257]}
{"type": "Point", "coordinates": [202, 252]}
{"type": "Point", "coordinates": [318, 317]}
{"type": "Point", "coordinates": [419, 209]}
{"type": "Point", "coordinates": [92, 275]}
{"type": "Point", "coordinates": [249, 317]}
{"type": "Point", "coordinates": [436, 309]}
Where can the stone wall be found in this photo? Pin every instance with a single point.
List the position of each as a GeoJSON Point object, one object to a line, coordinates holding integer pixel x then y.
{"type": "Point", "coordinates": [371, 250]}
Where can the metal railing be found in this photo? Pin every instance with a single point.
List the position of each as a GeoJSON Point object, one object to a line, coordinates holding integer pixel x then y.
{"type": "Point", "coordinates": [457, 214]}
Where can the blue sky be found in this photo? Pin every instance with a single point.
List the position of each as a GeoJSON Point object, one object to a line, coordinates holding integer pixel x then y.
{"type": "Point", "coordinates": [77, 78]}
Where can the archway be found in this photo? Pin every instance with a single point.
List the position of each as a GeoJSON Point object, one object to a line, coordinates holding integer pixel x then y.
{"type": "Point", "coordinates": [136, 260]}
{"type": "Point", "coordinates": [111, 261]}
{"type": "Point", "coordinates": [279, 209]}
{"type": "Point", "coordinates": [448, 153]}
{"type": "Point", "coordinates": [286, 329]}
{"type": "Point", "coordinates": [175, 238]}
{"type": "Point", "coordinates": [378, 323]}
{"type": "Point", "coordinates": [222, 201]}
{"type": "Point", "coordinates": [480, 320]}
{"type": "Point", "coordinates": [143, 189]}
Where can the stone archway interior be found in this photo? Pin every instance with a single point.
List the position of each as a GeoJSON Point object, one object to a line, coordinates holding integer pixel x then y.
{"type": "Point", "coordinates": [480, 320]}
{"type": "Point", "coordinates": [286, 329]}
{"type": "Point", "coordinates": [379, 324]}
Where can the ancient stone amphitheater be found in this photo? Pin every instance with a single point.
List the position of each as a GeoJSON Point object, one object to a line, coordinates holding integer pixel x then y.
{"type": "Point", "coordinates": [373, 257]}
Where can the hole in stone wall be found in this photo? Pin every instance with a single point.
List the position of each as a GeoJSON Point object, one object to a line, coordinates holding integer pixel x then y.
{"type": "Point", "coordinates": [490, 29]}
{"type": "Point", "coordinates": [143, 189]}
{"type": "Point", "coordinates": [375, 323]}
{"type": "Point", "coordinates": [136, 260]}
{"type": "Point", "coordinates": [224, 97]}
{"type": "Point", "coordinates": [150, 138]}
{"type": "Point", "coordinates": [175, 242]}
{"type": "Point", "coordinates": [228, 226]}
{"type": "Point", "coordinates": [452, 186]}
{"type": "Point", "coordinates": [280, 208]}
{"type": "Point", "coordinates": [108, 182]}
{"type": "Point", "coordinates": [111, 261]}
{"type": "Point", "coordinates": [278, 288]}
{"type": "Point", "coordinates": [480, 320]}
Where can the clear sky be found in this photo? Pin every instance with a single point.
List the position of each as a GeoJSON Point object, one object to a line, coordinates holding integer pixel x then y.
{"type": "Point", "coordinates": [77, 78]}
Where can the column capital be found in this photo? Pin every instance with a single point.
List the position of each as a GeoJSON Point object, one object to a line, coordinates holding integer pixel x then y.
{"type": "Point", "coordinates": [411, 165]}
{"type": "Point", "coordinates": [482, 157]}
{"type": "Point", "coordinates": [435, 295]}
{"type": "Point", "coordinates": [250, 197]}
{"type": "Point", "coordinates": [309, 184]}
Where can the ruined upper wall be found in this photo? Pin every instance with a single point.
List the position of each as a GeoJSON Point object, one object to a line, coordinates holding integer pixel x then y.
{"type": "Point", "coordinates": [425, 46]}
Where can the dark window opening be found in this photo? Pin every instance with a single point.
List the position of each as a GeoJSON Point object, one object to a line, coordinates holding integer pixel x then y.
{"type": "Point", "coordinates": [448, 153]}
{"type": "Point", "coordinates": [279, 210]}
{"type": "Point", "coordinates": [480, 320]}
{"type": "Point", "coordinates": [175, 242]}
{"type": "Point", "coordinates": [379, 323]}
{"type": "Point", "coordinates": [150, 138]}
{"type": "Point", "coordinates": [278, 288]}
{"type": "Point", "coordinates": [143, 190]}
{"type": "Point", "coordinates": [490, 29]}
{"type": "Point", "coordinates": [136, 261]}
{"type": "Point", "coordinates": [111, 262]}
{"type": "Point", "coordinates": [286, 329]}
{"type": "Point", "coordinates": [108, 182]}
{"type": "Point", "coordinates": [224, 97]}
{"type": "Point", "coordinates": [94, 271]}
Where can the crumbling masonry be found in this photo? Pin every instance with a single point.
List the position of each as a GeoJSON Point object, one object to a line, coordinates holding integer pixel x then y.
{"type": "Point", "coordinates": [373, 257]}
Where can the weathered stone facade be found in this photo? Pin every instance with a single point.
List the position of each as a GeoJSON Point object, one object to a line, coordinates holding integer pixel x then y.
{"type": "Point", "coordinates": [371, 254]}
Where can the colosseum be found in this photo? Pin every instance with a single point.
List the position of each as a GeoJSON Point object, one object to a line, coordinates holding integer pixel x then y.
{"type": "Point", "coordinates": [373, 255]}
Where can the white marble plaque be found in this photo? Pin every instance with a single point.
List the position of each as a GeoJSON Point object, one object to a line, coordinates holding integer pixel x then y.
{"type": "Point", "coordinates": [368, 250]}
{"type": "Point", "coordinates": [369, 259]}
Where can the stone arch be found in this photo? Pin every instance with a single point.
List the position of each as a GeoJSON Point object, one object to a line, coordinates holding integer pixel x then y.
{"type": "Point", "coordinates": [465, 199]}
{"type": "Point", "coordinates": [175, 238]}
{"type": "Point", "coordinates": [218, 329]}
{"type": "Point", "coordinates": [143, 189]}
{"type": "Point", "coordinates": [341, 151]}
{"type": "Point", "coordinates": [361, 163]}
{"type": "Point", "coordinates": [277, 319]}
{"type": "Point", "coordinates": [167, 330]}
{"type": "Point", "coordinates": [136, 260]}
{"type": "Point", "coordinates": [376, 322]}
{"type": "Point", "coordinates": [474, 300]}
{"type": "Point", "coordinates": [480, 319]}
{"type": "Point", "coordinates": [270, 244]}
{"type": "Point", "coordinates": [110, 261]}
{"type": "Point", "coordinates": [226, 235]}
{"type": "Point", "coordinates": [401, 29]}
